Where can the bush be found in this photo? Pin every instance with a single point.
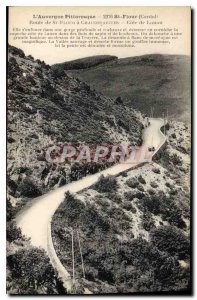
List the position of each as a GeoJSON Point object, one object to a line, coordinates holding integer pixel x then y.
{"type": "Point", "coordinates": [139, 195]}
{"type": "Point", "coordinates": [30, 57]}
{"type": "Point", "coordinates": [133, 182]}
{"type": "Point", "coordinates": [71, 209]}
{"type": "Point", "coordinates": [176, 160]}
{"type": "Point", "coordinates": [161, 205]}
{"type": "Point", "coordinates": [38, 73]}
{"type": "Point", "coordinates": [30, 79]}
{"type": "Point", "coordinates": [27, 188]}
{"type": "Point", "coordinates": [12, 61]}
{"type": "Point", "coordinates": [147, 221]}
{"type": "Point", "coordinates": [115, 197]}
{"type": "Point", "coordinates": [33, 273]}
{"type": "Point", "coordinates": [19, 88]}
{"type": "Point", "coordinates": [151, 192]}
{"type": "Point", "coordinates": [129, 195]}
{"type": "Point", "coordinates": [140, 188]}
{"type": "Point", "coordinates": [156, 170]}
{"type": "Point", "coordinates": [141, 179]}
{"type": "Point", "coordinates": [124, 174]}
{"type": "Point", "coordinates": [127, 205]}
{"type": "Point", "coordinates": [153, 184]}
{"type": "Point", "coordinates": [16, 51]}
{"type": "Point", "coordinates": [171, 240]}
{"type": "Point", "coordinates": [91, 219]}
{"type": "Point", "coordinates": [12, 231]}
{"type": "Point", "coordinates": [12, 185]}
{"type": "Point", "coordinates": [106, 184]}
{"type": "Point", "coordinates": [168, 184]}
{"type": "Point", "coordinates": [58, 73]}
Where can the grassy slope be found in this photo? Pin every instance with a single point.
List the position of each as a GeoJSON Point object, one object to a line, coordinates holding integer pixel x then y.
{"type": "Point", "coordinates": [162, 81]}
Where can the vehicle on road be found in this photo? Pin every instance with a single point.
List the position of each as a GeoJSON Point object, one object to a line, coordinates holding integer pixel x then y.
{"type": "Point", "coordinates": [151, 149]}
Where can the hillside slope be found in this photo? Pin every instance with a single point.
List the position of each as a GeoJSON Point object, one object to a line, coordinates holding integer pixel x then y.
{"type": "Point", "coordinates": [160, 81]}
{"type": "Point", "coordinates": [134, 229]}
{"type": "Point", "coordinates": [45, 108]}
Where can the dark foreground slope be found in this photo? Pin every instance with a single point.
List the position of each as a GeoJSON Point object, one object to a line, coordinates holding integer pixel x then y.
{"type": "Point", "coordinates": [160, 81]}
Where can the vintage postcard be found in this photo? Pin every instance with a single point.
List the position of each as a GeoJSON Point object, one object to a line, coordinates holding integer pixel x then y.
{"type": "Point", "coordinates": [98, 150]}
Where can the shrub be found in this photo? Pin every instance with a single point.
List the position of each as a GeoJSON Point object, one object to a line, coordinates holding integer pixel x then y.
{"type": "Point", "coordinates": [127, 205]}
{"type": "Point", "coordinates": [12, 231]}
{"type": "Point", "coordinates": [151, 192]}
{"type": "Point", "coordinates": [171, 240]}
{"type": "Point", "coordinates": [129, 195]}
{"type": "Point", "coordinates": [173, 191]}
{"type": "Point", "coordinates": [168, 184]}
{"type": "Point", "coordinates": [33, 273]}
{"type": "Point", "coordinates": [102, 202]}
{"type": "Point", "coordinates": [12, 185]}
{"type": "Point", "coordinates": [92, 219]}
{"type": "Point", "coordinates": [139, 195]}
{"type": "Point", "coordinates": [141, 179]}
{"type": "Point", "coordinates": [153, 184]}
{"type": "Point", "coordinates": [30, 57]}
{"type": "Point", "coordinates": [30, 79]}
{"type": "Point", "coordinates": [133, 182]}
{"type": "Point", "coordinates": [19, 88]}
{"type": "Point", "coordinates": [12, 61]}
{"type": "Point", "coordinates": [16, 51]}
{"type": "Point", "coordinates": [140, 188]}
{"type": "Point", "coordinates": [71, 209]}
{"type": "Point", "coordinates": [156, 170]}
{"type": "Point", "coordinates": [114, 197]}
{"type": "Point", "coordinates": [147, 221]}
{"type": "Point", "coordinates": [38, 73]}
{"type": "Point", "coordinates": [161, 205]}
{"type": "Point", "coordinates": [58, 73]}
{"type": "Point", "coordinates": [124, 174]}
{"type": "Point", "coordinates": [27, 188]}
{"type": "Point", "coordinates": [176, 160]}
{"type": "Point", "coordinates": [106, 184]}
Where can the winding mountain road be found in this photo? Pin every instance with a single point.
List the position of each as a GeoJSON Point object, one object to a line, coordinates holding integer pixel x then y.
{"type": "Point", "coordinates": [35, 219]}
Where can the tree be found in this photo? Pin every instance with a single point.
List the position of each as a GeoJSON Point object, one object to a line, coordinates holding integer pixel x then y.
{"type": "Point", "coordinates": [33, 273]}
{"type": "Point", "coordinates": [12, 232]}
{"type": "Point", "coordinates": [27, 188]}
{"type": "Point", "coordinates": [171, 240]}
{"type": "Point", "coordinates": [132, 182]}
{"type": "Point", "coordinates": [106, 184]}
{"type": "Point", "coordinates": [72, 209]}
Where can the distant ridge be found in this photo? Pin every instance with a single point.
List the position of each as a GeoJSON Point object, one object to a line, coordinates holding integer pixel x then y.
{"type": "Point", "coordinates": [85, 63]}
{"type": "Point", "coordinates": [153, 80]}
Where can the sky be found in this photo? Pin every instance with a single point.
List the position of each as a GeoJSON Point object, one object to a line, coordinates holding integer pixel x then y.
{"type": "Point", "coordinates": [172, 17]}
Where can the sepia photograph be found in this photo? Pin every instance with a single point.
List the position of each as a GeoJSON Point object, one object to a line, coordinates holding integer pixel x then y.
{"type": "Point", "coordinates": [98, 150]}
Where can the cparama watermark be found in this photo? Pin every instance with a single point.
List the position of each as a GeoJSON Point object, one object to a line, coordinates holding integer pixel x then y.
{"type": "Point", "coordinates": [98, 153]}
